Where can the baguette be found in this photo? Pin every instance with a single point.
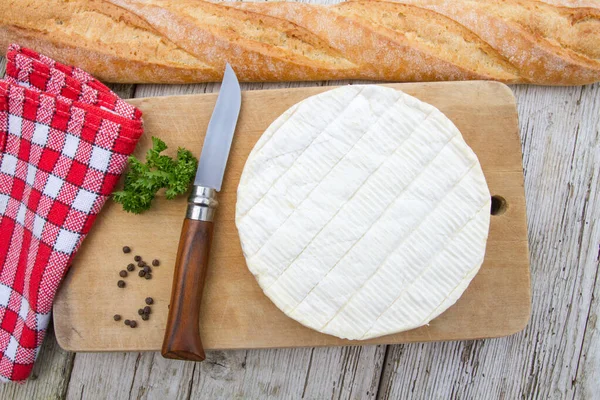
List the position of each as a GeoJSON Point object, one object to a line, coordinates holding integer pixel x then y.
{"type": "Point", "coordinates": [185, 41]}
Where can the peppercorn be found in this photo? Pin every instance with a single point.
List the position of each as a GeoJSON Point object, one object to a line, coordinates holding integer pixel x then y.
{"type": "Point", "coordinates": [147, 310]}
{"type": "Point", "coordinates": [137, 258]}
{"type": "Point", "coordinates": [147, 268]}
{"type": "Point", "coordinates": [117, 317]}
{"type": "Point", "coordinates": [148, 275]}
{"type": "Point", "coordinates": [123, 273]}
{"type": "Point", "coordinates": [140, 311]}
{"type": "Point", "coordinates": [127, 322]}
{"type": "Point", "coordinates": [145, 317]}
{"type": "Point", "coordinates": [133, 324]}
{"type": "Point", "coordinates": [141, 264]}
{"type": "Point", "coordinates": [149, 300]}
{"type": "Point", "coordinates": [155, 262]}
{"type": "Point", "coordinates": [126, 249]}
{"type": "Point", "coordinates": [121, 284]}
{"type": "Point", "coordinates": [142, 273]}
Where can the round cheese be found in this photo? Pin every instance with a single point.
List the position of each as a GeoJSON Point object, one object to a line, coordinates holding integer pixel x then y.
{"type": "Point", "coordinates": [362, 212]}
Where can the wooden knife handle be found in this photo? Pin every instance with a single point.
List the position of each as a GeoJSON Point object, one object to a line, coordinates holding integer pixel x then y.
{"type": "Point", "coordinates": [182, 337]}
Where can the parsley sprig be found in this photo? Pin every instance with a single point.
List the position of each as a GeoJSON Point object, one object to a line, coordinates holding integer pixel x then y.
{"type": "Point", "coordinates": [143, 180]}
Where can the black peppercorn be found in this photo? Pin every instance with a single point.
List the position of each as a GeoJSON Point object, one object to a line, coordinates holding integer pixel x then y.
{"type": "Point", "coordinates": [123, 273]}
{"type": "Point", "coordinates": [142, 273]}
{"type": "Point", "coordinates": [148, 275]}
{"type": "Point", "coordinates": [147, 310]}
{"type": "Point", "coordinates": [147, 268]}
{"type": "Point", "coordinates": [121, 284]}
{"type": "Point", "coordinates": [126, 249]}
{"type": "Point", "coordinates": [127, 322]}
{"type": "Point", "coordinates": [133, 324]}
{"type": "Point", "coordinates": [140, 311]}
{"type": "Point", "coordinates": [130, 267]}
{"type": "Point", "coordinates": [137, 258]}
{"type": "Point", "coordinates": [141, 264]}
{"type": "Point", "coordinates": [145, 317]}
{"type": "Point", "coordinates": [117, 317]}
{"type": "Point", "coordinates": [149, 300]}
{"type": "Point", "coordinates": [155, 262]}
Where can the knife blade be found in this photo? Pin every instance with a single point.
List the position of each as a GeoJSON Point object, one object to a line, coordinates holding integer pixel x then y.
{"type": "Point", "coordinates": [182, 335]}
{"type": "Point", "coordinates": [219, 134]}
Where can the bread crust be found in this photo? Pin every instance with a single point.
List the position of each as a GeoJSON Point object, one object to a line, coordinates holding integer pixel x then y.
{"type": "Point", "coordinates": [162, 41]}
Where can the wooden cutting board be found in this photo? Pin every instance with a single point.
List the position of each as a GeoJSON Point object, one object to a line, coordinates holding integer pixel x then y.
{"type": "Point", "coordinates": [236, 314]}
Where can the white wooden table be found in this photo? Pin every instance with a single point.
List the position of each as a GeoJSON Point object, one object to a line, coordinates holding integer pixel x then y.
{"type": "Point", "coordinates": [556, 356]}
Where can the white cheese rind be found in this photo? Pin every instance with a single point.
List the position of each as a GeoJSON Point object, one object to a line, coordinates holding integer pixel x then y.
{"type": "Point", "coordinates": [362, 212]}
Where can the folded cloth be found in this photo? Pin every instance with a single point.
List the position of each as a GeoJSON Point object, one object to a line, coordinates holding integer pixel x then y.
{"type": "Point", "coordinates": [64, 142]}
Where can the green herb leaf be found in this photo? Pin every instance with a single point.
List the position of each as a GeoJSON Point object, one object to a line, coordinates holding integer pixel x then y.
{"type": "Point", "coordinates": [143, 180]}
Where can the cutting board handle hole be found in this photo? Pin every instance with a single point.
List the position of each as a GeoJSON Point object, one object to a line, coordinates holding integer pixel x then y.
{"type": "Point", "coordinates": [498, 205]}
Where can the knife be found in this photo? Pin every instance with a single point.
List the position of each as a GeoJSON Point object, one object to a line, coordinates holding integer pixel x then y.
{"type": "Point", "coordinates": [182, 337]}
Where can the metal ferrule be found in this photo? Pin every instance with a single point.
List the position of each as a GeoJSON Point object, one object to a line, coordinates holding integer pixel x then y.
{"type": "Point", "coordinates": [202, 204]}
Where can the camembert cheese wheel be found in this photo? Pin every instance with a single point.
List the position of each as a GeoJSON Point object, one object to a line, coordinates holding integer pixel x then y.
{"type": "Point", "coordinates": [362, 212]}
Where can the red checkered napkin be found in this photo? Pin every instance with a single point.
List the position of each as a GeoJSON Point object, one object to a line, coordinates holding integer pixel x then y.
{"type": "Point", "coordinates": [64, 142]}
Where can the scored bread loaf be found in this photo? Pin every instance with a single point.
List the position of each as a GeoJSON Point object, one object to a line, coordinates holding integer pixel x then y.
{"type": "Point", "coordinates": [184, 41]}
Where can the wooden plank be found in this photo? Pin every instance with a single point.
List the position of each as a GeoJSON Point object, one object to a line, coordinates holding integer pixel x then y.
{"type": "Point", "coordinates": [2, 65]}
{"type": "Point", "coordinates": [124, 91]}
{"type": "Point", "coordinates": [587, 383]}
{"type": "Point", "coordinates": [362, 362]}
{"type": "Point", "coordinates": [234, 307]}
{"type": "Point", "coordinates": [104, 376]}
{"type": "Point", "coordinates": [254, 374]}
{"type": "Point", "coordinates": [337, 373]}
{"type": "Point", "coordinates": [587, 379]}
{"type": "Point", "coordinates": [128, 375]}
{"type": "Point", "coordinates": [560, 136]}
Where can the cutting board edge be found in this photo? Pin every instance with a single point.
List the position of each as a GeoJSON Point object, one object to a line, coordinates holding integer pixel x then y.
{"type": "Point", "coordinates": [373, 342]}
{"type": "Point", "coordinates": [502, 88]}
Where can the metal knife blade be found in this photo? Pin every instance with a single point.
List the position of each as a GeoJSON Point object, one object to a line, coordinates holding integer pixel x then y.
{"type": "Point", "coordinates": [219, 134]}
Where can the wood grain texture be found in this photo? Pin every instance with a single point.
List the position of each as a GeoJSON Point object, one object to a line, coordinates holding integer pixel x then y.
{"type": "Point", "coordinates": [106, 376]}
{"type": "Point", "coordinates": [236, 313]}
{"type": "Point", "coordinates": [556, 356]}
{"type": "Point", "coordinates": [587, 376]}
{"type": "Point", "coordinates": [337, 373]}
{"type": "Point", "coordinates": [182, 335]}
